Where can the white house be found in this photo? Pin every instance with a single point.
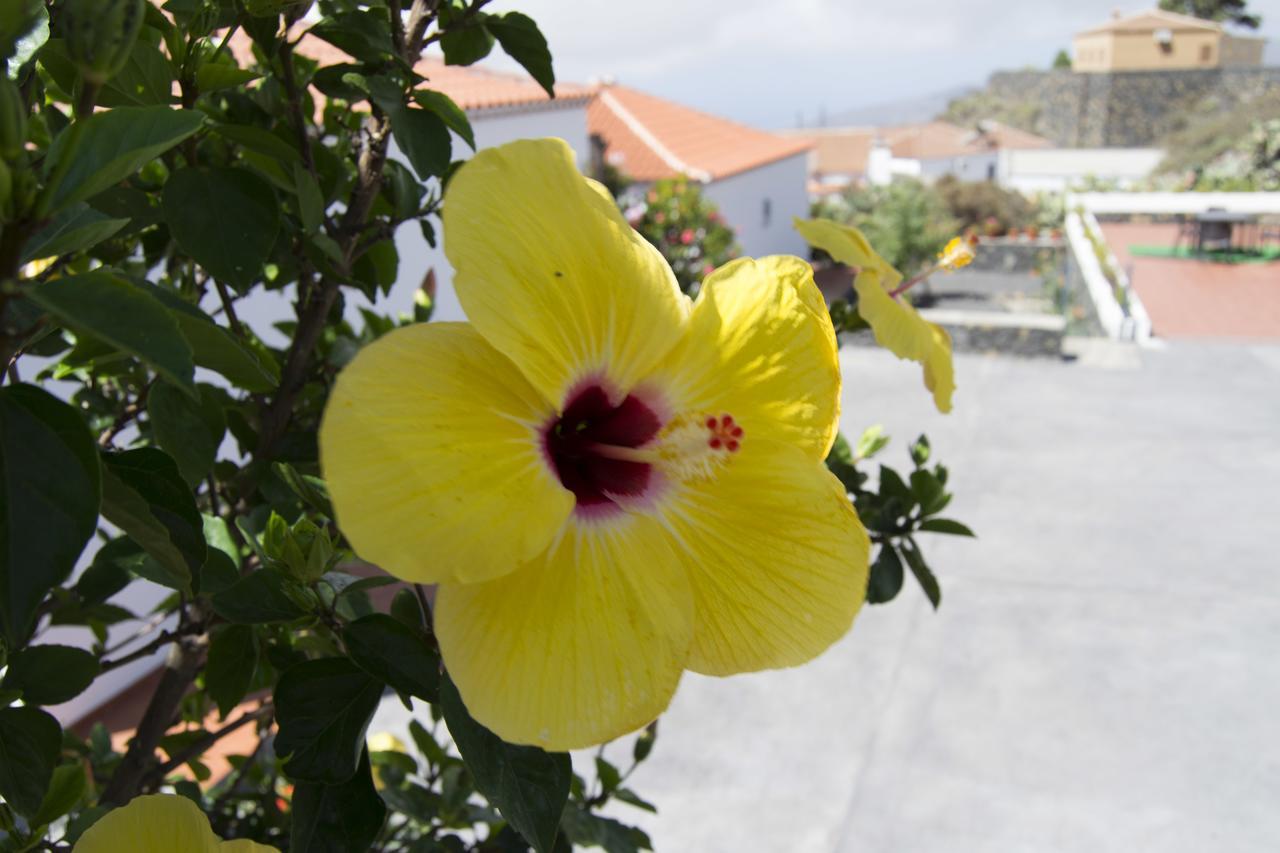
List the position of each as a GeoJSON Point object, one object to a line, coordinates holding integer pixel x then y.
{"type": "Point", "coordinates": [756, 178]}
{"type": "Point", "coordinates": [502, 107]}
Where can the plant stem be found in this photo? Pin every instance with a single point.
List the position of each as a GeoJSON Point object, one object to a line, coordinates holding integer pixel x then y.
{"type": "Point", "coordinates": [198, 747]}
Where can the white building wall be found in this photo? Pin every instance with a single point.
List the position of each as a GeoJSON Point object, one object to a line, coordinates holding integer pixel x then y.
{"type": "Point", "coordinates": [969, 167]}
{"type": "Point", "coordinates": [491, 129]}
{"type": "Point", "coordinates": [759, 205]}
{"type": "Point", "coordinates": [1058, 169]}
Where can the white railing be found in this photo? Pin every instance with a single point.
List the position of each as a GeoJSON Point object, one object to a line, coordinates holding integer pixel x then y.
{"type": "Point", "coordinates": [1175, 203]}
{"type": "Point", "coordinates": [1121, 322]}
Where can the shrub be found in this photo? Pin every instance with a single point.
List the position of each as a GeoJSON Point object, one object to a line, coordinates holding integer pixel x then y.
{"type": "Point", "coordinates": [986, 206]}
{"type": "Point", "coordinates": [906, 221]}
{"type": "Point", "coordinates": [687, 228]}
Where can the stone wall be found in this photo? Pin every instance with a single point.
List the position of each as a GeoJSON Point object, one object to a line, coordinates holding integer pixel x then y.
{"type": "Point", "coordinates": [1127, 108]}
{"type": "Point", "coordinates": [999, 254]}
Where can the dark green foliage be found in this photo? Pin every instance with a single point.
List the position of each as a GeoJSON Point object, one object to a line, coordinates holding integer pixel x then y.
{"type": "Point", "coordinates": [983, 207]}
{"type": "Point", "coordinates": [50, 674]}
{"type": "Point", "coordinates": [29, 742]}
{"type": "Point", "coordinates": [1232, 11]}
{"type": "Point", "coordinates": [337, 818]}
{"type": "Point", "coordinates": [323, 707]}
{"type": "Point", "coordinates": [529, 786]}
{"type": "Point", "coordinates": [1061, 60]}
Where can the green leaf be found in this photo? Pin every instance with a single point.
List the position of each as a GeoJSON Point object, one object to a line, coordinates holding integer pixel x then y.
{"type": "Point", "coordinates": [73, 229]}
{"type": "Point", "coordinates": [366, 34]}
{"type": "Point", "coordinates": [113, 145]}
{"type": "Point", "coordinates": [310, 200]}
{"type": "Point", "coordinates": [50, 674]}
{"type": "Point", "coordinates": [51, 485]}
{"type": "Point", "coordinates": [214, 76]}
{"type": "Point", "coordinates": [886, 576]}
{"type": "Point", "coordinates": [65, 790]}
{"type": "Point", "coordinates": [530, 787]}
{"type": "Point", "coordinates": [323, 708]}
{"type": "Point", "coordinates": [145, 80]}
{"type": "Point", "coordinates": [248, 364]}
{"type": "Point", "coordinates": [312, 490]}
{"type": "Point", "coordinates": [262, 596]}
{"type": "Point", "coordinates": [871, 442]}
{"type": "Point", "coordinates": [126, 317]}
{"type": "Point", "coordinates": [920, 450]}
{"type": "Point", "coordinates": [449, 112]}
{"type": "Point", "coordinates": [388, 649]}
{"type": "Point", "coordinates": [466, 45]}
{"type": "Point", "coordinates": [928, 582]}
{"type": "Point", "coordinates": [424, 139]}
{"type": "Point", "coordinates": [928, 491]}
{"type": "Point", "coordinates": [144, 495]}
{"type": "Point", "coordinates": [891, 485]}
{"type": "Point", "coordinates": [524, 42]}
{"type": "Point", "coordinates": [337, 818]}
{"type": "Point", "coordinates": [29, 743]}
{"type": "Point", "coordinates": [233, 660]}
{"type": "Point", "coordinates": [585, 829]}
{"type": "Point", "coordinates": [259, 140]}
{"type": "Point", "coordinates": [188, 430]}
{"type": "Point", "coordinates": [946, 525]}
{"type": "Point", "coordinates": [225, 218]}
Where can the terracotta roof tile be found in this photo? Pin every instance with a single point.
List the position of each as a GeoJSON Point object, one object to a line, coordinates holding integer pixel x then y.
{"type": "Point", "coordinates": [649, 138]}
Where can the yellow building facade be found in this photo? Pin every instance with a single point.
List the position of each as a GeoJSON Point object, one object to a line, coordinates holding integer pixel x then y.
{"type": "Point", "coordinates": [1157, 41]}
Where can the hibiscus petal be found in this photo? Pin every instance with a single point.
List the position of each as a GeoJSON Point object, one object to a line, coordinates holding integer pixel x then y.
{"type": "Point", "coordinates": [552, 275]}
{"type": "Point", "coordinates": [153, 823]}
{"type": "Point", "coordinates": [432, 449]}
{"type": "Point", "coordinates": [899, 328]}
{"type": "Point", "coordinates": [577, 648]}
{"type": "Point", "coordinates": [777, 557]}
{"type": "Point", "coordinates": [762, 349]}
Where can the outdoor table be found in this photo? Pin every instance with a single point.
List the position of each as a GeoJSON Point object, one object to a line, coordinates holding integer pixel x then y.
{"type": "Point", "coordinates": [1216, 228]}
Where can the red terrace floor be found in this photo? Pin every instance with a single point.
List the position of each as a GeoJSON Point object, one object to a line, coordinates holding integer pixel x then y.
{"type": "Point", "coordinates": [1187, 298]}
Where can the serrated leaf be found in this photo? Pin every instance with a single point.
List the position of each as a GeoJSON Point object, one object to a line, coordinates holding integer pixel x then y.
{"type": "Point", "coordinates": [885, 581]}
{"type": "Point", "coordinates": [113, 145]}
{"type": "Point", "coordinates": [946, 525]}
{"type": "Point", "coordinates": [395, 653]}
{"type": "Point", "coordinates": [73, 229]}
{"type": "Point", "coordinates": [449, 112]}
{"type": "Point", "coordinates": [336, 818]}
{"type": "Point", "coordinates": [51, 483]}
{"type": "Point", "coordinates": [259, 597]}
{"type": "Point", "coordinates": [233, 660]}
{"type": "Point", "coordinates": [144, 495]}
{"type": "Point", "coordinates": [128, 318]}
{"type": "Point", "coordinates": [189, 430]}
{"type": "Point", "coordinates": [524, 42]}
{"type": "Point", "coordinates": [29, 743]}
{"type": "Point", "coordinates": [424, 139]}
{"type": "Point", "coordinates": [50, 674]}
{"type": "Point", "coordinates": [928, 582]}
{"type": "Point", "coordinates": [225, 218]}
{"type": "Point", "coordinates": [530, 787]}
{"type": "Point", "coordinates": [323, 708]}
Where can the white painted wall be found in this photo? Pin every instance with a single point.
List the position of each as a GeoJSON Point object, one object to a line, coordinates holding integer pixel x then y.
{"type": "Point", "coordinates": [742, 201]}
{"type": "Point", "coordinates": [969, 167]}
{"type": "Point", "coordinates": [492, 128]}
{"type": "Point", "coordinates": [1171, 203]}
{"type": "Point", "coordinates": [1058, 169]}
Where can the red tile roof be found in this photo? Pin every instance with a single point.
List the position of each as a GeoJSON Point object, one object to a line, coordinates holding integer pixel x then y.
{"type": "Point", "coordinates": [649, 138]}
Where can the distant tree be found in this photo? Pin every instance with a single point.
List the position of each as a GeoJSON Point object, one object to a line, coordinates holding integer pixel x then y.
{"type": "Point", "coordinates": [1062, 60]}
{"type": "Point", "coordinates": [1231, 11]}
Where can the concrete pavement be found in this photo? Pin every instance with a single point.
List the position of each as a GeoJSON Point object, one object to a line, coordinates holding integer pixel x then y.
{"type": "Point", "coordinates": [1103, 674]}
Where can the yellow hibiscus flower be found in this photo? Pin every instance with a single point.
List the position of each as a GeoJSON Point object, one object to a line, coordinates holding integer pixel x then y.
{"type": "Point", "coordinates": [610, 483]}
{"type": "Point", "coordinates": [897, 326]}
{"type": "Point", "coordinates": [159, 823]}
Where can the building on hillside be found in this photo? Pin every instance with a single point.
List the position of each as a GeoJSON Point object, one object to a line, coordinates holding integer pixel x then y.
{"type": "Point", "coordinates": [846, 156]}
{"type": "Point", "coordinates": [1156, 40]}
{"type": "Point", "coordinates": [756, 178]}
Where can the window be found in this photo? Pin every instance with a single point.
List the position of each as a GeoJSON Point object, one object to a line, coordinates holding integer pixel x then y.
{"type": "Point", "coordinates": [1206, 53]}
{"type": "Point", "coordinates": [768, 212]}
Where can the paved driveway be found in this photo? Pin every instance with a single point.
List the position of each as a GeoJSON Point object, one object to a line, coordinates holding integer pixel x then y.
{"type": "Point", "coordinates": [1104, 674]}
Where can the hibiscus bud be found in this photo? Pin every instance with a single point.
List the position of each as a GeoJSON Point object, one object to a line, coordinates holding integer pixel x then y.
{"type": "Point", "coordinates": [100, 35]}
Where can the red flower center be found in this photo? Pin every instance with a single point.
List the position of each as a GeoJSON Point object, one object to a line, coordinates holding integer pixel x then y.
{"type": "Point", "coordinates": [585, 442]}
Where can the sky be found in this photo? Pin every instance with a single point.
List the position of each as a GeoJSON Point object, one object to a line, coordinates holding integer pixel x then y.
{"type": "Point", "coordinates": [769, 63]}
